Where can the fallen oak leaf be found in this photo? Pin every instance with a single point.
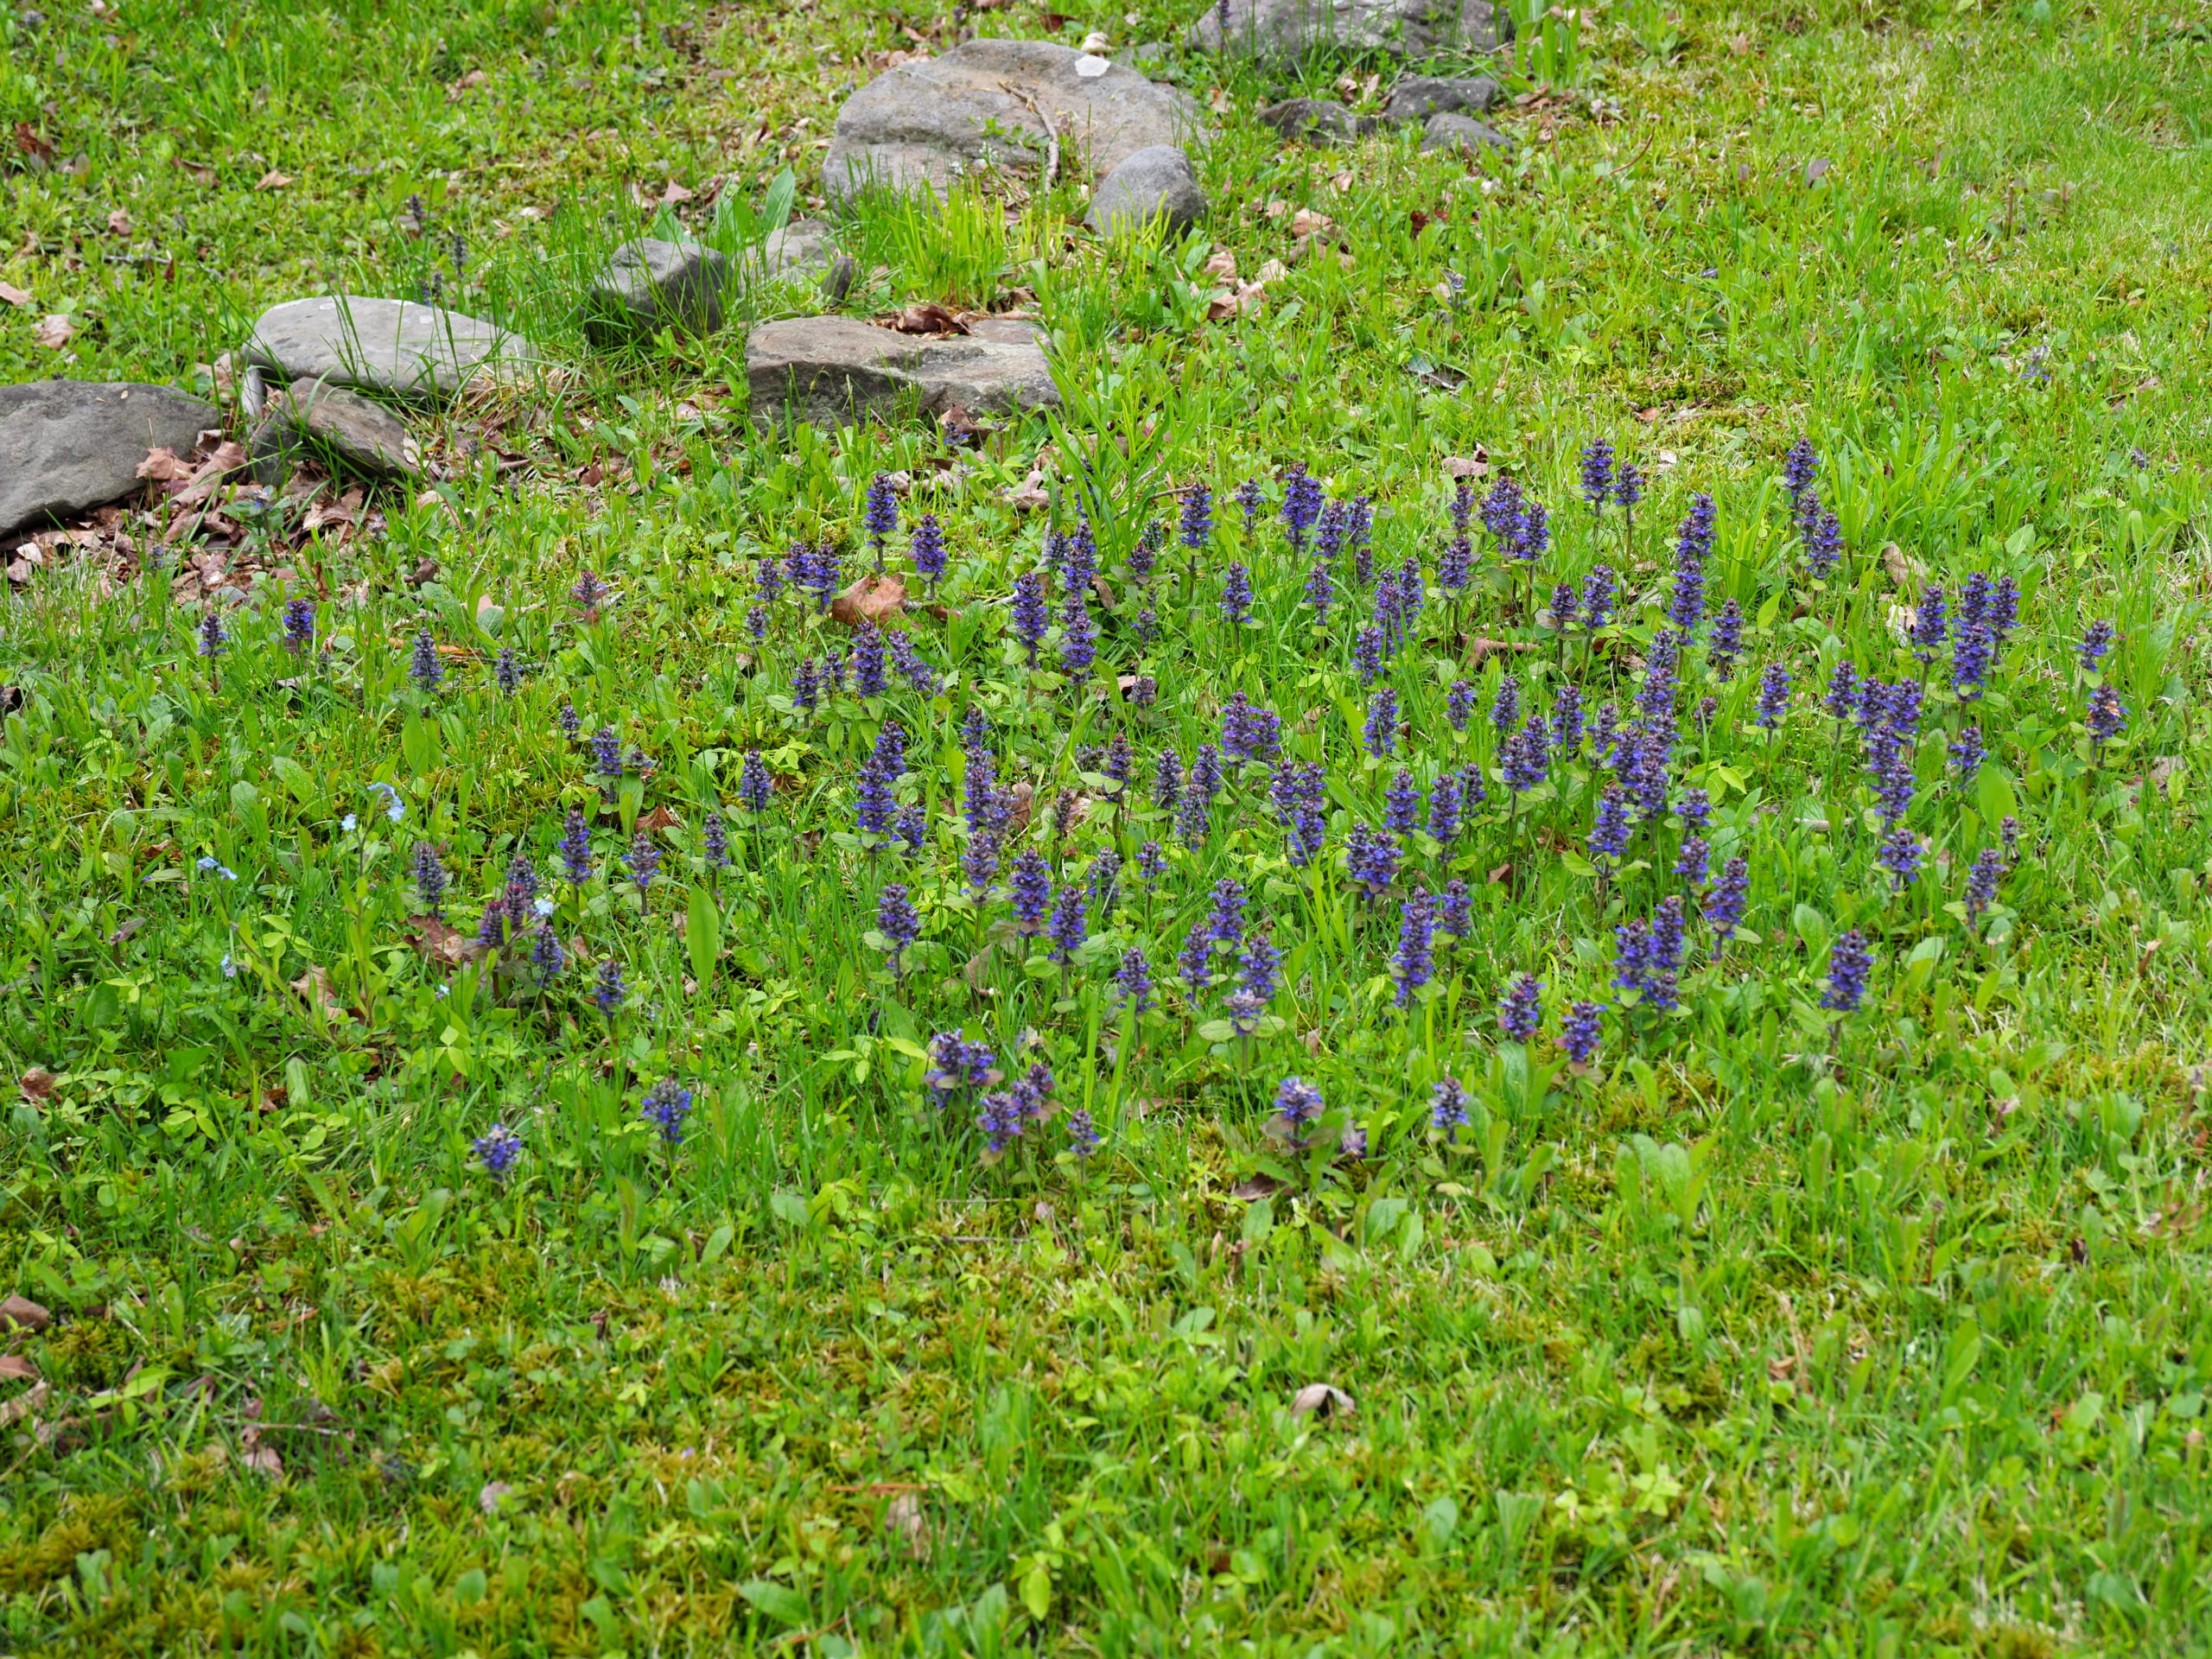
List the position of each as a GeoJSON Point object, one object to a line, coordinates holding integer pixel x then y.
{"type": "Point", "coordinates": [23, 1405]}
{"type": "Point", "coordinates": [37, 1086]}
{"type": "Point", "coordinates": [870, 600]}
{"type": "Point", "coordinates": [13, 296]}
{"type": "Point", "coordinates": [21, 1314]}
{"type": "Point", "coordinates": [1321, 1398]}
{"type": "Point", "coordinates": [55, 331]}
{"type": "Point", "coordinates": [16, 1366]}
{"type": "Point", "coordinates": [315, 988]}
{"type": "Point", "coordinates": [272, 180]}
{"type": "Point", "coordinates": [436, 939]}
{"type": "Point", "coordinates": [162, 465]}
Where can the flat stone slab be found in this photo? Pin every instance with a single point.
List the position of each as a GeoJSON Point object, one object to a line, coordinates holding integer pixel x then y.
{"type": "Point", "coordinates": [1419, 97]}
{"type": "Point", "coordinates": [69, 446]}
{"type": "Point", "coordinates": [831, 372]}
{"type": "Point", "coordinates": [360, 434]}
{"type": "Point", "coordinates": [921, 125]}
{"type": "Point", "coordinates": [1315, 121]}
{"type": "Point", "coordinates": [397, 346]}
{"type": "Point", "coordinates": [651, 285]}
{"type": "Point", "coordinates": [1154, 183]}
{"type": "Point", "coordinates": [1461, 132]}
{"type": "Point", "coordinates": [1283, 31]}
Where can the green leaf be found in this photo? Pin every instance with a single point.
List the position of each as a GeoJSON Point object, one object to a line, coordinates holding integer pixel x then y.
{"type": "Point", "coordinates": [418, 744]}
{"type": "Point", "coordinates": [1994, 792]}
{"type": "Point", "coordinates": [703, 935]}
{"type": "Point", "coordinates": [1382, 1216]}
{"type": "Point", "coordinates": [1037, 1589]}
{"type": "Point", "coordinates": [790, 1208]}
{"type": "Point", "coordinates": [779, 1601]}
{"type": "Point", "coordinates": [1579, 866]}
{"type": "Point", "coordinates": [717, 1241]}
{"type": "Point", "coordinates": [1259, 1221]}
{"type": "Point", "coordinates": [297, 779]}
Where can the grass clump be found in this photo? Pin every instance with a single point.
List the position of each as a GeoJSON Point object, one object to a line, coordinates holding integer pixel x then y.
{"type": "Point", "coordinates": [1436, 991]}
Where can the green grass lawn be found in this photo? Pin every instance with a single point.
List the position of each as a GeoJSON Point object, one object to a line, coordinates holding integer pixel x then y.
{"type": "Point", "coordinates": [1797, 1321]}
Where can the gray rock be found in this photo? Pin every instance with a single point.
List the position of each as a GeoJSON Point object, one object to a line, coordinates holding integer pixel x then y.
{"type": "Point", "coordinates": [1461, 132]}
{"type": "Point", "coordinates": [1315, 120]}
{"type": "Point", "coordinates": [389, 345]}
{"type": "Point", "coordinates": [357, 432]}
{"type": "Point", "coordinates": [839, 370]}
{"type": "Point", "coordinates": [1153, 183]}
{"type": "Point", "coordinates": [1145, 57]}
{"type": "Point", "coordinates": [68, 446]}
{"type": "Point", "coordinates": [1422, 96]}
{"type": "Point", "coordinates": [649, 284]}
{"type": "Point", "coordinates": [803, 248]}
{"type": "Point", "coordinates": [1282, 31]}
{"type": "Point", "coordinates": [921, 124]}
{"type": "Point", "coordinates": [837, 281]}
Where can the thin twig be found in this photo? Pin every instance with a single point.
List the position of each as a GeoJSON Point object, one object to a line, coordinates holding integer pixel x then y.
{"type": "Point", "coordinates": [1051, 133]}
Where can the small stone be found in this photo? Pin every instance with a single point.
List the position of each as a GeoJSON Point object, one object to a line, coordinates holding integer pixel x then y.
{"type": "Point", "coordinates": [798, 251]}
{"type": "Point", "coordinates": [1461, 132]}
{"type": "Point", "coordinates": [837, 281]}
{"type": "Point", "coordinates": [397, 346]}
{"type": "Point", "coordinates": [1283, 31]}
{"type": "Point", "coordinates": [1154, 183]}
{"type": "Point", "coordinates": [832, 371]}
{"type": "Point", "coordinates": [69, 446]}
{"type": "Point", "coordinates": [1314, 120]}
{"type": "Point", "coordinates": [1422, 96]}
{"type": "Point", "coordinates": [651, 285]}
{"type": "Point", "coordinates": [987, 102]}
{"type": "Point", "coordinates": [355, 432]}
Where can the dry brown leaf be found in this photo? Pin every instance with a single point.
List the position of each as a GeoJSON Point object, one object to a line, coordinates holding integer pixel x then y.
{"type": "Point", "coordinates": [1222, 264]}
{"type": "Point", "coordinates": [226, 459]}
{"type": "Point", "coordinates": [23, 1405]}
{"type": "Point", "coordinates": [1647, 415]}
{"type": "Point", "coordinates": [272, 180]}
{"type": "Point", "coordinates": [162, 466]}
{"type": "Point", "coordinates": [36, 1084]}
{"type": "Point", "coordinates": [660, 817]}
{"type": "Point", "coordinates": [903, 1519]}
{"type": "Point", "coordinates": [960, 427]}
{"type": "Point", "coordinates": [494, 1492]}
{"type": "Point", "coordinates": [118, 223]}
{"type": "Point", "coordinates": [1273, 271]}
{"type": "Point", "coordinates": [1322, 1399]}
{"type": "Point", "coordinates": [54, 331]}
{"type": "Point", "coordinates": [1472, 465]}
{"type": "Point", "coordinates": [674, 193]}
{"type": "Point", "coordinates": [870, 600]}
{"type": "Point", "coordinates": [926, 318]}
{"type": "Point", "coordinates": [436, 939]}
{"type": "Point", "coordinates": [473, 78]}
{"type": "Point", "coordinates": [1028, 495]}
{"type": "Point", "coordinates": [16, 1368]}
{"type": "Point", "coordinates": [1306, 222]}
{"type": "Point", "coordinates": [1898, 566]}
{"type": "Point", "coordinates": [21, 1314]}
{"type": "Point", "coordinates": [13, 296]}
{"type": "Point", "coordinates": [314, 986]}
{"type": "Point", "coordinates": [1259, 1186]}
